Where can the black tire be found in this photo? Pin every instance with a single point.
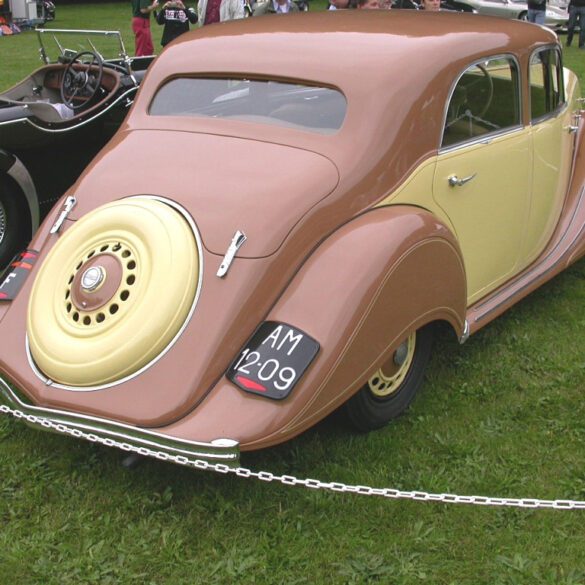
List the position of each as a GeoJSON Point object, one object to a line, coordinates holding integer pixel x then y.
{"type": "Point", "coordinates": [370, 409]}
{"type": "Point", "coordinates": [14, 221]}
{"type": "Point", "coordinates": [523, 16]}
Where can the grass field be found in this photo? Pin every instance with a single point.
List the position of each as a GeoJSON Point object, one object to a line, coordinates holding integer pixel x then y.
{"type": "Point", "coordinates": [502, 415]}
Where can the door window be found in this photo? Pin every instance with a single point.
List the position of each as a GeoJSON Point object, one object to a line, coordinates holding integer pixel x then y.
{"type": "Point", "coordinates": [486, 99]}
{"type": "Point", "coordinates": [546, 83]}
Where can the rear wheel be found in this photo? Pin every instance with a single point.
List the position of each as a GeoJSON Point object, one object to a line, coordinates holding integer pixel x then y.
{"type": "Point", "coordinates": [14, 221]}
{"type": "Point", "coordinates": [523, 16]}
{"type": "Point", "coordinates": [392, 388]}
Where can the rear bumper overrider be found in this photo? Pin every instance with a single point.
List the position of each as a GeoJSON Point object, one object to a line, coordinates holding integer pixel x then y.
{"type": "Point", "coordinates": [112, 433]}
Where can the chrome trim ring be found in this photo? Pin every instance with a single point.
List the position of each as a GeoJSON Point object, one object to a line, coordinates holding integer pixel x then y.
{"type": "Point", "coordinates": [92, 278]}
{"type": "Point", "coordinates": [198, 241]}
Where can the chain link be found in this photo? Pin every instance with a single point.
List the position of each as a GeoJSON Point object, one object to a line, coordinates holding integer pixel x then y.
{"type": "Point", "coordinates": [290, 480]}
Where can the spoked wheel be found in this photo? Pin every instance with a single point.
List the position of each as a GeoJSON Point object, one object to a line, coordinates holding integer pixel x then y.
{"type": "Point", "coordinates": [392, 388]}
{"type": "Point", "coordinates": [14, 223]}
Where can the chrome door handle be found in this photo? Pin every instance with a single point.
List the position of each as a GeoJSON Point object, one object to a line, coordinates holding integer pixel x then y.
{"type": "Point", "coordinates": [571, 129]}
{"type": "Point", "coordinates": [455, 181]}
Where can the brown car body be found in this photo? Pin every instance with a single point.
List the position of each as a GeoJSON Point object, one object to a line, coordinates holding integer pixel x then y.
{"type": "Point", "coordinates": [327, 251]}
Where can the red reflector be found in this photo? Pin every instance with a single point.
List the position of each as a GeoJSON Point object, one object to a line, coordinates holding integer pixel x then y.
{"type": "Point", "coordinates": [3, 296]}
{"type": "Point", "coordinates": [250, 384]}
{"type": "Point", "coordinates": [24, 265]}
{"type": "Point", "coordinates": [28, 256]}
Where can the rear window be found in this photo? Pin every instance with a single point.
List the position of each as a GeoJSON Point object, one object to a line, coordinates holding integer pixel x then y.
{"type": "Point", "coordinates": [306, 107]}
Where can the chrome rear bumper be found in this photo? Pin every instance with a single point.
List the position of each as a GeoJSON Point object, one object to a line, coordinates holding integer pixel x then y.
{"type": "Point", "coordinates": [115, 434]}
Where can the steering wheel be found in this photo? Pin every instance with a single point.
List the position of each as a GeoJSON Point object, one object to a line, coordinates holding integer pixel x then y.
{"type": "Point", "coordinates": [81, 80]}
{"type": "Point", "coordinates": [473, 95]}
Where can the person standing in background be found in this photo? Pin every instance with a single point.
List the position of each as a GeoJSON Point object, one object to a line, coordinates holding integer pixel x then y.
{"type": "Point", "coordinates": [211, 11]}
{"type": "Point", "coordinates": [141, 10]}
{"type": "Point", "coordinates": [536, 11]}
{"type": "Point", "coordinates": [576, 15]}
{"type": "Point", "coordinates": [176, 19]}
{"type": "Point", "coordinates": [431, 5]}
{"type": "Point", "coordinates": [275, 7]}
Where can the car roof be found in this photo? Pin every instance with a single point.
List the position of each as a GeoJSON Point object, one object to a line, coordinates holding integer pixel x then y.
{"type": "Point", "coordinates": [396, 69]}
{"type": "Point", "coordinates": [321, 45]}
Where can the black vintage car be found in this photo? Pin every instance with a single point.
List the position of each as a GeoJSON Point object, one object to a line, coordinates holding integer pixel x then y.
{"type": "Point", "coordinates": [54, 122]}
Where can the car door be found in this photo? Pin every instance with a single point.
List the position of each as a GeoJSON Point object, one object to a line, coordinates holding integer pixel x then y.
{"type": "Point", "coordinates": [552, 147]}
{"type": "Point", "coordinates": [483, 172]}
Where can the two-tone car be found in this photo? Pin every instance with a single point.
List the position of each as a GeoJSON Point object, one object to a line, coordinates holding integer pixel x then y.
{"type": "Point", "coordinates": [269, 237]}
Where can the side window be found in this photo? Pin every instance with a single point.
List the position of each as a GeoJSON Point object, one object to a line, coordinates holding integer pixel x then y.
{"type": "Point", "coordinates": [546, 83]}
{"type": "Point", "coordinates": [486, 99]}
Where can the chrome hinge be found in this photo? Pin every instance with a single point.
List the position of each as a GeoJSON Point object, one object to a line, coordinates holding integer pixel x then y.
{"type": "Point", "coordinates": [69, 204]}
{"type": "Point", "coordinates": [236, 243]}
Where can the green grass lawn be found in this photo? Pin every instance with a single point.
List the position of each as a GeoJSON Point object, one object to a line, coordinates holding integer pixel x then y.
{"type": "Point", "coordinates": [502, 415]}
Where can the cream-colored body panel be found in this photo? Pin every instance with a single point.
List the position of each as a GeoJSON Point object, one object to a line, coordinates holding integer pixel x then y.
{"type": "Point", "coordinates": [553, 146]}
{"type": "Point", "coordinates": [551, 165]}
{"type": "Point", "coordinates": [488, 212]}
{"type": "Point", "coordinates": [417, 190]}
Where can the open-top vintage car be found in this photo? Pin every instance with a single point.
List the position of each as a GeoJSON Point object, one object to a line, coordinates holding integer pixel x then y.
{"type": "Point", "coordinates": [269, 237]}
{"type": "Point", "coordinates": [54, 122]}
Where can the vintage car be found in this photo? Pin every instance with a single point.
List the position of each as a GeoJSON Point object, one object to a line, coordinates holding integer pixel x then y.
{"type": "Point", "coordinates": [269, 237]}
{"type": "Point", "coordinates": [55, 121]}
{"type": "Point", "coordinates": [556, 17]}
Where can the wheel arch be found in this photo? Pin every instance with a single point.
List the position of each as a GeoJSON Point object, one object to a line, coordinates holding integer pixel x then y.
{"type": "Point", "coordinates": [380, 277]}
{"type": "Point", "coordinates": [13, 167]}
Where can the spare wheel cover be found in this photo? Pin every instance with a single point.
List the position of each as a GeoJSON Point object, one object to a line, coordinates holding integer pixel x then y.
{"type": "Point", "coordinates": [112, 293]}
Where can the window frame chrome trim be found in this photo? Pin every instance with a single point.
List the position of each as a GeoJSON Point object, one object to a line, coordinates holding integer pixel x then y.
{"type": "Point", "coordinates": [484, 139]}
{"type": "Point", "coordinates": [490, 135]}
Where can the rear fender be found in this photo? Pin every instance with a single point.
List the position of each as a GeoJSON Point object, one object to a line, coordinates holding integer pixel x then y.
{"type": "Point", "coordinates": [14, 168]}
{"type": "Point", "coordinates": [367, 287]}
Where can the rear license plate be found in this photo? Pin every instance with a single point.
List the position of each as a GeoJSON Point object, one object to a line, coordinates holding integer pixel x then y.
{"type": "Point", "coordinates": [273, 361]}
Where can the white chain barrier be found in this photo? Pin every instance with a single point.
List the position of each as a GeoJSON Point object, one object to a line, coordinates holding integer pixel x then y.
{"type": "Point", "coordinates": [290, 480]}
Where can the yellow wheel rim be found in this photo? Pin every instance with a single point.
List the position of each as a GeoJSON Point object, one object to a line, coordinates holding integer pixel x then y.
{"type": "Point", "coordinates": [388, 379]}
{"type": "Point", "coordinates": [113, 292]}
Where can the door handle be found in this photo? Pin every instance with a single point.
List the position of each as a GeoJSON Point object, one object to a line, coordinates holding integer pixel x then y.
{"type": "Point", "coordinates": [455, 181]}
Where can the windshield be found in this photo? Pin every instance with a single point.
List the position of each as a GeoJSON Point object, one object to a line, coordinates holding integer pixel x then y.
{"type": "Point", "coordinates": [306, 107]}
{"type": "Point", "coordinates": [58, 45]}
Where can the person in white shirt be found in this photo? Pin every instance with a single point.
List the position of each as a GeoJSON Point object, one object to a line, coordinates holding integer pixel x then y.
{"type": "Point", "coordinates": [275, 7]}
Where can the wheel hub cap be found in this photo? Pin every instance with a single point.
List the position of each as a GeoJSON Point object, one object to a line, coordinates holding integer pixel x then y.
{"type": "Point", "coordinates": [97, 281]}
{"type": "Point", "coordinates": [388, 379]}
{"type": "Point", "coordinates": [92, 278]}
